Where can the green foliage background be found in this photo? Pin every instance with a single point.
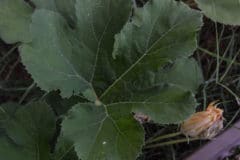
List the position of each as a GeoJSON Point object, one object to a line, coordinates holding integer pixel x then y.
{"type": "Point", "coordinates": [109, 60]}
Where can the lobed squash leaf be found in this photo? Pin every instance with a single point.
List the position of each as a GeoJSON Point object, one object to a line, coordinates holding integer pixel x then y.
{"type": "Point", "coordinates": [73, 59]}
{"type": "Point", "coordinates": [121, 60]}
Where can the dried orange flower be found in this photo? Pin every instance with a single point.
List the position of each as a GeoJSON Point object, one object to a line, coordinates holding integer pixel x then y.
{"type": "Point", "coordinates": [205, 124]}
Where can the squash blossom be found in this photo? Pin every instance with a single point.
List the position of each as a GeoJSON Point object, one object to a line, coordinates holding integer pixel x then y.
{"type": "Point", "coordinates": [205, 124]}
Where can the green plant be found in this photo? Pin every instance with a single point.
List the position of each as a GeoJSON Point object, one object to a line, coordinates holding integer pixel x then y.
{"type": "Point", "coordinates": [117, 58]}
{"type": "Point", "coordinates": [222, 11]}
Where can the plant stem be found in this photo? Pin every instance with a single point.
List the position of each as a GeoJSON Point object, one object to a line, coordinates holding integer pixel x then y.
{"type": "Point", "coordinates": [9, 52]}
{"type": "Point", "coordinates": [171, 142]}
{"type": "Point", "coordinates": [158, 138]}
{"type": "Point", "coordinates": [229, 90]}
{"type": "Point", "coordinates": [214, 55]}
{"type": "Point", "coordinates": [27, 92]}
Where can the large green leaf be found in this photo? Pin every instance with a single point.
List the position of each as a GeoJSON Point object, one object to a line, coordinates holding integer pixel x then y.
{"type": "Point", "coordinates": [159, 35]}
{"type": "Point", "coordinates": [74, 56]}
{"type": "Point", "coordinates": [15, 17]}
{"type": "Point", "coordinates": [27, 131]}
{"type": "Point", "coordinates": [105, 132]}
{"type": "Point", "coordinates": [137, 67]}
{"type": "Point", "coordinates": [223, 11]}
{"type": "Point", "coordinates": [142, 51]}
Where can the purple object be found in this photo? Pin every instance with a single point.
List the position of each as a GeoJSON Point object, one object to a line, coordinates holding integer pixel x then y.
{"type": "Point", "coordinates": [219, 147]}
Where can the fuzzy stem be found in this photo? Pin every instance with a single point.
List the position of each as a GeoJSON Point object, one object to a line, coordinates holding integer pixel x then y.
{"type": "Point", "coordinates": [158, 138]}
{"type": "Point", "coordinates": [171, 142]}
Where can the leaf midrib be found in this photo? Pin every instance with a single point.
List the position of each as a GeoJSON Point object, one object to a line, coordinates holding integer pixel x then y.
{"type": "Point", "coordinates": [99, 48]}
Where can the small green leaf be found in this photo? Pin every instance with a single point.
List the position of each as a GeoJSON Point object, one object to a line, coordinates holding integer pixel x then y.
{"type": "Point", "coordinates": [27, 131]}
{"type": "Point", "coordinates": [223, 11]}
{"type": "Point", "coordinates": [101, 132]}
{"type": "Point", "coordinates": [15, 18]}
